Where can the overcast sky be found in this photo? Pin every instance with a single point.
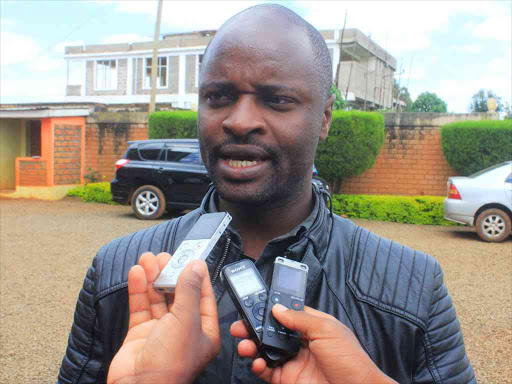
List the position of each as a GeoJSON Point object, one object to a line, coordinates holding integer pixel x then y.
{"type": "Point", "coordinates": [456, 47]}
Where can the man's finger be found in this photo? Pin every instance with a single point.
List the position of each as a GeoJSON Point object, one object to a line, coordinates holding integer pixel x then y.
{"type": "Point", "coordinates": [157, 300]}
{"type": "Point", "coordinates": [260, 369]}
{"type": "Point", "coordinates": [238, 329]}
{"type": "Point", "coordinates": [140, 309]}
{"type": "Point", "coordinates": [247, 348]}
{"type": "Point", "coordinates": [187, 297]}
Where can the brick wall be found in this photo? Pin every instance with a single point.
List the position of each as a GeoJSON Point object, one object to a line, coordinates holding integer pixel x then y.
{"type": "Point", "coordinates": [67, 154]}
{"type": "Point", "coordinates": [411, 162]}
{"type": "Point", "coordinates": [106, 137]}
{"type": "Point", "coordinates": [32, 173]}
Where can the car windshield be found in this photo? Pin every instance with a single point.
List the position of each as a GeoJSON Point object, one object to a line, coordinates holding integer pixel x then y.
{"type": "Point", "coordinates": [479, 173]}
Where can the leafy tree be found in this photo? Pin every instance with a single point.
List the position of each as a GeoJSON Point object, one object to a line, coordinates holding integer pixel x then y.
{"type": "Point", "coordinates": [402, 94]}
{"type": "Point", "coordinates": [429, 102]}
{"type": "Point", "coordinates": [479, 101]}
{"type": "Point", "coordinates": [508, 112]}
{"type": "Point", "coordinates": [339, 102]}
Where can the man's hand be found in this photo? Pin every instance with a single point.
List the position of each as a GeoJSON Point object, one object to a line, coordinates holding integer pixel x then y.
{"type": "Point", "coordinates": [167, 342]}
{"type": "Point", "coordinates": [330, 352]}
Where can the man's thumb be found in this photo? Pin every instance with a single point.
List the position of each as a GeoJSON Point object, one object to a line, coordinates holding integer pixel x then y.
{"type": "Point", "coordinates": [299, 321]}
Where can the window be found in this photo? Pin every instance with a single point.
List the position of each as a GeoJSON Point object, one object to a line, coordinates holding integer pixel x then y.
{"type": "Point", "coordinates": [184, 157]}
{"type": "Point", "coordinates": [199, 60]}
{"type": "Point", "coordinates": [106, 74]}
{"type": "Point", "coordinates": [161, 77]}
{"type": "Point", "coordinates": [150, 151]}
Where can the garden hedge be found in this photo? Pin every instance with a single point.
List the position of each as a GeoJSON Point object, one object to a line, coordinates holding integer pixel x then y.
{"type": "Point", "coordinates": [93, 192]}
{"type": "Point", "coordinates": [424, 210]}
{"type": "Point", "coordinates": [471, 146]}
{"type": "Point", "coordinates": [352, 146]}
{"type": "Point", "coordinates": [173, 125]}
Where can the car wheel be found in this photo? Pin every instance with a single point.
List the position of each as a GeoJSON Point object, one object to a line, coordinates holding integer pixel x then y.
{"type": "Point", "coordinates": [493, 225]}
{"type": "Point", "coordinates": [148, 202]}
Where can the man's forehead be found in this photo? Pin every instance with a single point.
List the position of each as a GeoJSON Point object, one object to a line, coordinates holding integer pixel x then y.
{"type": "Point", "coordinates": [250, 45]}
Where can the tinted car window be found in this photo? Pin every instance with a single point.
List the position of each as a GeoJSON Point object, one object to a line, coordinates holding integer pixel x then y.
{"type": "Point", "coordinates": [183, 157]}
{"type": "Point", "coordinates": [479, 173]}
{"type": "Point", "coordinates": [509, 179]}
{"type": "Point", "coordinates": [133, 154]}
{"type": "Point", "coordinates": [150, 151]}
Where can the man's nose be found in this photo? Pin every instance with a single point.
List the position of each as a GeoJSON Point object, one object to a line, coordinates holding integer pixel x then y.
{"type": "Point", "coordinates": [244, 118]}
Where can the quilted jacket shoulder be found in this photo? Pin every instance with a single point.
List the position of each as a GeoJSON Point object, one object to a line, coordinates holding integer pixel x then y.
{"type": "Point", "coordinates": [409, 284]}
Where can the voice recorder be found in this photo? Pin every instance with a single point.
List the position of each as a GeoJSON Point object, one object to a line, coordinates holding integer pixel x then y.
{"type": "Point", "coordinates": [197, 245]}
{"type": "Point", "coordinates": [249, 294]}
{"type": "Point", "coordinates": [289, 289]}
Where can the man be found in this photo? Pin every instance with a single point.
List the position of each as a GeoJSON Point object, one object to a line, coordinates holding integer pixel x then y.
{"type": "Point", "coordinates": [263, 106]}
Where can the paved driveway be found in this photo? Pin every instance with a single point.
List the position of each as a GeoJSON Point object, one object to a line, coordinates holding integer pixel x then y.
{"type": "Point", "coordinates": [46, 248]}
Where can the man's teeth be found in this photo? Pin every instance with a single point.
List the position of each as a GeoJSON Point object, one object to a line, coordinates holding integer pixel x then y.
{"type": "Point", "coordinates": [241, 163]}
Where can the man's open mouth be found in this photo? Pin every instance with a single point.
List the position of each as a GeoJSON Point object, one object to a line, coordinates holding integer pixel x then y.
{"type": "Point", "coordinates": [241, 163]}
{"type": "Point", "coordinates": [243, 156]}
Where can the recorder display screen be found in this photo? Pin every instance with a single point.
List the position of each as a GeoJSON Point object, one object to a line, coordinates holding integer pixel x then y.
{"type": "Point", "coordinates": [288, 280]}
{"type": "Point", "coordinates": [246, 283]}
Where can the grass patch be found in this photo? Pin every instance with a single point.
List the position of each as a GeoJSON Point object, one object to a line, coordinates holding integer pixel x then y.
{"type": "Point", "coordinates": [93, 192]}
{"type": "Point", "coordinates": [423, 210]}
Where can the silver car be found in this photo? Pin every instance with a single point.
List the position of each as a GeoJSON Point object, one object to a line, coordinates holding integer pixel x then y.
{"type": "Point", "coordinates": [484, 200]}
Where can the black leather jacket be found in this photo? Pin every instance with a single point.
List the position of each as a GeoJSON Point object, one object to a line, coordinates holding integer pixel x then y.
{"type": "Point", "coordinates": [392, 298]}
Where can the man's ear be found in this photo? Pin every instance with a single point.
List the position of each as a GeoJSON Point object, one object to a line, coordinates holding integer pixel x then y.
{"type": "Point", "coordinates": [327, 117]}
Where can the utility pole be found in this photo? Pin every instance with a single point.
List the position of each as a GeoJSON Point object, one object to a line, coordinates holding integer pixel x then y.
{"type": "Point", "coordinates": [154, 61]}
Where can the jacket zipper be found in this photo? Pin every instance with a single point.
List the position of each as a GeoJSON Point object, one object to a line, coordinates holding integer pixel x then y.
{"type": "Point", "coordinates": [222, 259]}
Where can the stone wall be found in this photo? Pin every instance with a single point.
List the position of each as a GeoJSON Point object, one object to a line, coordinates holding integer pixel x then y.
{"type": "Point", "coordinates": [106, 139]}
{"type": "Point", "coordinates": [411, 162]}
{"type": "Point", "coordinates": [67, 154]}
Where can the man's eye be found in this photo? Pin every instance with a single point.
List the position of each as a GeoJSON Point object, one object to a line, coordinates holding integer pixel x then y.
{"type": "Point", "coordinates": [278, 100]}
{"type": "Point", "coordinates": [217, 99]}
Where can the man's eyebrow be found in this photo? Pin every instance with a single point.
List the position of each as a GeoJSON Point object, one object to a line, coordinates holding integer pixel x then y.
{"type": "Point", "coordinates": [220, 85]}
{"type": "Point", "coordinates": [275, 88]}
{"type": "Point", "coordinates": [228, 86]}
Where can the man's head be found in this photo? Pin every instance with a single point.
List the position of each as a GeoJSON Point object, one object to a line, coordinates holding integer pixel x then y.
{"type": "Point", "coordinates": [263, 105]}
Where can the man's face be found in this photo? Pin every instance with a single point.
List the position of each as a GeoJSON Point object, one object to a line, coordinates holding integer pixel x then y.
{"type": "Point", "coordinates": [261, 112]}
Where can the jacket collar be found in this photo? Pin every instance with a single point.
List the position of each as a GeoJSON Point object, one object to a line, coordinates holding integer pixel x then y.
{"type": "Point", "coordinates": [312, 243]}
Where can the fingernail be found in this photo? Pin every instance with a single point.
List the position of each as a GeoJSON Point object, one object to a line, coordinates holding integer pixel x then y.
{"type": "Point", "coordinates": [198, 268]}
{"type": "Point", "coordinates": [280, 308]}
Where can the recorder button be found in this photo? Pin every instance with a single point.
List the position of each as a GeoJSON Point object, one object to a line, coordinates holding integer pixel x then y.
{"type": "Point", "coordinates": [180, 259]}
{"type": "Point", "coordinates": [248, 303]}
{"type": "Point", "coordinates": [263, 296]}
{"type": "Point", "coordinates": [256, 311]}
{"type": "Point", "coordinates": [297, 305]}
{"type": "Point", "coordinates": [282, 336]}
{"type": "Point", "coordinates": [276, 299]}
{"type": "Point", "coordinates": [270, 333]}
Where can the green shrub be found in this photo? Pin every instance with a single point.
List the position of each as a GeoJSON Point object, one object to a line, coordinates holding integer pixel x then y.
{"type": "Point", "coordinates": [471, 146]}
{"type": "Point", "coordinates": [173, 125]}
{"type": "Point", "coordinates": [425, 210]}
{"type": "Point", "coordinates": [352, 146]}
{"type": "Point", "coordinates": [94, 192]}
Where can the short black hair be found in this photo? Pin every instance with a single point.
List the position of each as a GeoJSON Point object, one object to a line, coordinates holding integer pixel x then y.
{"type": "Point", "coordinates": [320, 52]}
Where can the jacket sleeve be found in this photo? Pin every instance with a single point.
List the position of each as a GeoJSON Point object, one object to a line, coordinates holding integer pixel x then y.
{"type": "Point", "coordinates": [82, 362]}
{"type": "Point", "coordinates": [444, 357]}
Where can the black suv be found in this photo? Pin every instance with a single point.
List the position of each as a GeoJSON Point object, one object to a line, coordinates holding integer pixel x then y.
{"type": "Point", "coordinates": [164, 174]}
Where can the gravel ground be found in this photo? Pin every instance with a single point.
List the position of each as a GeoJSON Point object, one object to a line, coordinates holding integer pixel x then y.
{"type": "Point", "coordinates": [46, 248]}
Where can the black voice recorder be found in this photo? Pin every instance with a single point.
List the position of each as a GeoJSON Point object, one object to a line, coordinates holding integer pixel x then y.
{"type": "Point", "coordinates": [249, 294]}
{"type": "Point", "coordinates": [289, 289]}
